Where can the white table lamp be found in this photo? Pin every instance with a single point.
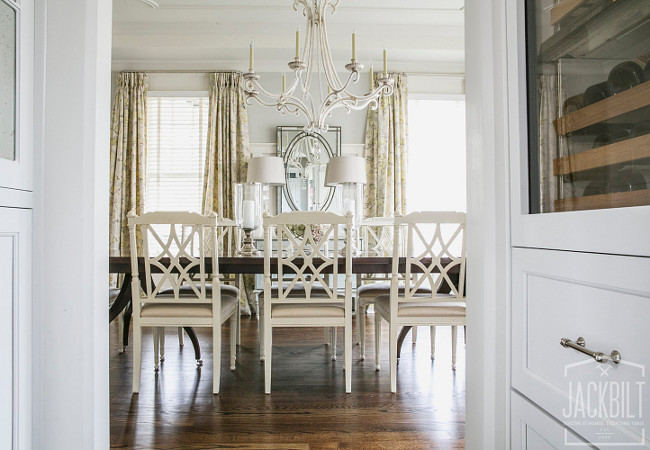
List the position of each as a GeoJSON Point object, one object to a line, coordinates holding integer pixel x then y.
{"type": "Point", "coordinates": [269, 171]}
{"type": "Point", "coordinates": [349, 174]}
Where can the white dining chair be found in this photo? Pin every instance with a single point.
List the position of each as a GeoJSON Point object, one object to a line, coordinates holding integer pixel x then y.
{"type": "Point", "coordinates": [312, 297]}
{"type": "Point", "coordinates": [377, 237]}
{"type": "Point", "coordinates": [226, 239]}
{"type": "Point", "coordinates": [435, 247]}
{"type": "Point", "coordinates": [191, 300]}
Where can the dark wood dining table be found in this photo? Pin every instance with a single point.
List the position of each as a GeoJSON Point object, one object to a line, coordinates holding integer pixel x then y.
{"type": "Point", "coordinates": [245, 265]}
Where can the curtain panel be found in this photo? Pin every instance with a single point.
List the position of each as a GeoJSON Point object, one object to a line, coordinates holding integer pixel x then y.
{"type": "Point", "coordinates": [227, 146]}
{"type": "Point", "coordinates": [225, 156]}
{"type": "Point", "coordinates": [128, 157]}
{"type": "Point", "coordinates": [386, 152]}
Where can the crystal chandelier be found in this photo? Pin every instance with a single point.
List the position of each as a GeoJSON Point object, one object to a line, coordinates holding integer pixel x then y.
{"type": "Point", "coordinates": [298, 98]}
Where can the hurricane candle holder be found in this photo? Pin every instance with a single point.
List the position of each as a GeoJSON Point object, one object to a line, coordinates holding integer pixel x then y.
{"type": "Point", "coordinates": [248, 214]}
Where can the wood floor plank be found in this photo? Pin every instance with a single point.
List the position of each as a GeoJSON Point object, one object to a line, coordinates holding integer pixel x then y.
{"type": "Point", "coordinates": [308, 407]}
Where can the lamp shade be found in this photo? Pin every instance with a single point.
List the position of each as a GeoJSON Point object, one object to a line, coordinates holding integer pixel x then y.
{"type": "Point", "coordinates": [345, 169]}
{"type": "Point", "coordinates": [266, 170]}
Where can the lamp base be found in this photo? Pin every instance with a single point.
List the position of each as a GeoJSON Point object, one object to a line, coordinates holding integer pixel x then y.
{"type": "Point", "coordinates": [354, 251]}
{"type": "Point", "coordinates": [248, 249]}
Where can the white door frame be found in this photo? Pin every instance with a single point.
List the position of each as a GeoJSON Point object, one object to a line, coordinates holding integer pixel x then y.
{"type": "Point", "coordinates": [70, 325]}
{"type": "Point", "coordinates": [70, 272]}
{"type": "Point", "coordinates": [488, 226]}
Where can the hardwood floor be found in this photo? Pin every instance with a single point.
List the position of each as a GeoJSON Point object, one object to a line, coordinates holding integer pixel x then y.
{"type": "Point", "coordinates": [308, 407]}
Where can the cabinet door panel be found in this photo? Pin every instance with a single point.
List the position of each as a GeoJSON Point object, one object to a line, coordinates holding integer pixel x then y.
{"type": "Point", "coordinates": [604, 299]}
{"type": "Point", "coordinates": [15, 328]}
{"type": "Point", "coordinates": [533, 429]}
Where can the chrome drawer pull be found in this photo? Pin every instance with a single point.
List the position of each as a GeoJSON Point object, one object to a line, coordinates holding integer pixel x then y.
{"type": "Point", "coordinates": [579, 345]}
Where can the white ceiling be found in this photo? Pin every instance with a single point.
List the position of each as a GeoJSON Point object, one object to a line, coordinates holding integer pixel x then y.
{"type": "Point", "coordinates": [422, 36]}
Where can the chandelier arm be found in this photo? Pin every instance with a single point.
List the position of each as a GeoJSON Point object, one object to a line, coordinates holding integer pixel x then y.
{"type": "Point", "coordinates": [352, 102]}
{"type": "Point", "coordinates": [305, 6]}
{"type": "Point", "coordinates": [256, 88]}
{"type": "Point", "coordinates": [307, 55]}
{"type": "Point", "coordinates": [285, 104]}
{"type": "Point", "coordinates": [331, 75]}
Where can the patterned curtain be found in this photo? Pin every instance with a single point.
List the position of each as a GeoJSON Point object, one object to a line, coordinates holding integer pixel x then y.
{"type": "Point", "coordinates": [128, 156]}
{"type": "Point", "coordinates": [225, 160]}
{"type": "Point", "coordinates": [225, 156]}
{"type": "Point", "coordinates": [386, 153]}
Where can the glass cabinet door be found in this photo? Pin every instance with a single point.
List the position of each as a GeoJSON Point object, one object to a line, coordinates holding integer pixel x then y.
{"type": "Point", "coordinates": [588, 79]}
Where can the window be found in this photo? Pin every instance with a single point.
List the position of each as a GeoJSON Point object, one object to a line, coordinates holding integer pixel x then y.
{"type": "Point", "coordinates": [436, 167]}
{"type": "Point", "coordinates": [176, 141]}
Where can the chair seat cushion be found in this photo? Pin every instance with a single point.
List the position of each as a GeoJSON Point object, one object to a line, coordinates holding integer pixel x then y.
{"type": "Point", "coordinates": [422, 309]}
{"type": "Point", "coordinates": [298, 310]}
{"type": "Point", "coordinates": [372, 290]}
{"type": "Point", "coordinates": [187, 291]}
{"type": "Point", "coordinates": [298, 290]}
{"type": "Point", "coordinates": [202, 310]}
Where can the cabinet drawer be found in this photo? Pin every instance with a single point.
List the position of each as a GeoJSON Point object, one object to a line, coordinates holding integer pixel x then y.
{"type": "Point", "coordinates": [533, 429]}
{"type": "Point", "coordinates": [606, 300]}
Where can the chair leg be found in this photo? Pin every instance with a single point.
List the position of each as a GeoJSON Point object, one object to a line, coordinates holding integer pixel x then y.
{"type": "Point", "coordinates": [333, 344]}
{"type": "Point", "coordinates": [260, 325]}
{"type": "Point", "coordinates": [454, 339]}
{"type": "Point", "coordinates": [432, 333]}
{"type": "Point", "coordinates": [137, 357]}
{"type": "Point", "coordinates": [347, 355]}
{"type": "Point", "coordinates": [156, 349]}
{"type": "Point", "coordinates": [414, 334]}
{"type": "Point", "coordinates": [216, 357]}
{"type": "Point", "coordinates": [377, 339]}
{"type": "Point", "coordinates": [234, 333]}
{"type": "Point", "coordinates": [180, 337]}
{"type": "Point", "coordinates": [268, 335]}
{"type": "Point", "coordinates": [327, 335]}
{"type": "Point", "coordinates": [161, 336]}
{"type": "Point", "coordinates": [392, 343]}
{"type": "Point", "coordinates": [120, 331]}
{"type": "Point", "coordinates": [361, 326]}
{"type": "Point", "coordinates": [238, 328]}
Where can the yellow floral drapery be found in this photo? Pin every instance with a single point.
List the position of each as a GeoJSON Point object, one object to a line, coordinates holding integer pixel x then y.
{"type": "Point", "coordinates": [128, 157]}
{"type": "Point", "coordinates": [386, 153]}
{"type": "Point", "coordinates": [225, 156]}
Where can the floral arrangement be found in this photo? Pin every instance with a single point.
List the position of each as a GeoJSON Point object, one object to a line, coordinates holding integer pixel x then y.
{"type": "Point", "coordinates": [298, 230]}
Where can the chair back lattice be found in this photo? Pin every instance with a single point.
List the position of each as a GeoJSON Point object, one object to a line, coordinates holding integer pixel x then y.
{"type": "Point", "coordinates": [174, 249]}
{"type": "Point", "coordinates": [377, 234]}
{"type": "Point", "coordinates": [435, 246]}
{"type": "Point", "coordinates": [310, 260]}
{"type": "Point", "coordinates": [226, 233]}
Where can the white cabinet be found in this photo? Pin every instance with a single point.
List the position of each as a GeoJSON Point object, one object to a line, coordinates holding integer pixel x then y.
{"type": "Point", "coordinates": [580, 262]}
{"type": "Point", "coordinates": [15, 328]}
{"type": "Point", "coordinates": [604, 299]}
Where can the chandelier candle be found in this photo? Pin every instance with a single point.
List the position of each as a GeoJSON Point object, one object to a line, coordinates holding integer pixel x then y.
{"type": "Point", "coordinates": [354, 46]}
{"type": "Point", "coordinates": [250, 57]}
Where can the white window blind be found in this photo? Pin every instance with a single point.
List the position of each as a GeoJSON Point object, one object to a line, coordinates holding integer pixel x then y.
{"type": "Point", "coordinates": [176, 140]}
